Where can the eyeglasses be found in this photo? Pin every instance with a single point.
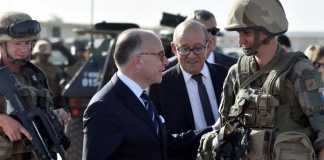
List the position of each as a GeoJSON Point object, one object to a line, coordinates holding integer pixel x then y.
{"type": "Point", "coordinates": [196, 50]}
{"type": "Point", "coordinates": [22, 29]}
{"type": "Point", "coordinates": [160, 54]}
{"type": "Point", "coordinates": [213, 31]}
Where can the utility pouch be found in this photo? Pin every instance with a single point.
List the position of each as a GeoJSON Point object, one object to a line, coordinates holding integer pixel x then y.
{"type": "Point", "coordinates": [240, 101]}
{"type": "Point", "coordinates": [260, 111]}
{"type": "Point", "coordinates": [260, 142]}
{"type": "Point", "coordinates": [293, 145]}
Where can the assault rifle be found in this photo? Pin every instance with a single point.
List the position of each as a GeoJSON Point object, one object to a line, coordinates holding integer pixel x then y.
{"type": "Point", "coordinates": [232, 141]}
{"type": "Point", "coordinates": [48, 138]}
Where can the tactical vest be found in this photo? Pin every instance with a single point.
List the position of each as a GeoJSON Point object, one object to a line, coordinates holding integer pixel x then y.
{"type": "Point", "coordinates": [256, 103]}
{"type": "Point", "coordinates": [264, 103]}
{"type": "Point", "coordinates": [33, 89]}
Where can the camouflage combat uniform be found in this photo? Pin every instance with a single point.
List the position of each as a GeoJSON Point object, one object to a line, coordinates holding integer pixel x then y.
{"type": "Point", "coordinates": [299, 91]}
{"type": "Point", "coordinates": [53, 75]}
{"type": "Point", "coordinates": [42, 52]}
{"type": "Point", "coordinates": [34, 91]}
{"type": "Point", "coordinates": [280, 105]}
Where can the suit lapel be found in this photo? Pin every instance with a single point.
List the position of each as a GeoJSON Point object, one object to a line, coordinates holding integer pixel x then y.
{"type": "Point", "coordinates": [186, 107]}
{"type": "Point", "coordinates": [132, 103]}
{"type": "Point", "coordinates": [215, 56]}
{"type": "Point", "coordinates": [214, 73]}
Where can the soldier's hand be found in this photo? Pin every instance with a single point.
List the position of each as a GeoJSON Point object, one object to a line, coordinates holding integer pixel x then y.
{"type": "Point", "coordinates": [12, 128]}
{"type": "Point", "coordinates": [321, 154]}
{"type": "Point", "coordinates": [62, 115]}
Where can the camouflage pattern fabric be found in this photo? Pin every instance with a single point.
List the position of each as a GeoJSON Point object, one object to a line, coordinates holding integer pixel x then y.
{"type": "Point", "coordinates": [267, 14]}
{"type": "Point", "coordinates": [52, 73]}
{"type": "Point", "coordinates": [285, 147]}
{"type": "Point", "coordinates": [5, 146]}
{"type": "Point", "coordinates": [33, 90]}
{"type": "Point", "coordinates": [299, 91]}
{"type": "Point", "coordinates": [206, 149]}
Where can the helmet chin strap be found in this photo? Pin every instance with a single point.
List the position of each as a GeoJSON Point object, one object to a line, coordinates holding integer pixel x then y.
{"type": "Point", "coordinates": [253, 50]}
{"type": "Point", "coordinates": [15, 61]}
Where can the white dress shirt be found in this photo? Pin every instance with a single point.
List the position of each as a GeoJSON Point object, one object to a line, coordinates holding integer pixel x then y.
{"type": "Point", "coordinates": [132, 85]}
{"type": "Point", "coordinates": [192, 90]}
{"type": "Point", "coordinates": [211, 58]}
{"type": "Point", "coordinates": [136, 89]}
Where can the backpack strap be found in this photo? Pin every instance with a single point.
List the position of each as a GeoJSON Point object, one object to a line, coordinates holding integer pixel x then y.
{"type": "Point", "coordinates": [245, 78]}
{"type": "Point", "coordinates": [285, 64]}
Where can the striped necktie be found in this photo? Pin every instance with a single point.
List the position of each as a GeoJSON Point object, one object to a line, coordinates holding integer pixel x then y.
{"type": "Point", "coordinates": [150, 110]}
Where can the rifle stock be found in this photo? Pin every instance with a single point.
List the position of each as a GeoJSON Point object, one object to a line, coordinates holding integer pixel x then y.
{"type": "Point", "coordinates": [48, 137]}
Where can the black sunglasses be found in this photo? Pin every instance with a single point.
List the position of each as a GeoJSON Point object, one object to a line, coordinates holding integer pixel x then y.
{"type": "Point", "coordinates": [22, 29]}
{"type": "Point", "coordinates": [213, 31]}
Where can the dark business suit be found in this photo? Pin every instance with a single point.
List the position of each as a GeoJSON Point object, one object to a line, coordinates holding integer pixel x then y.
{"type": "Point", "coordinates": [223, 60]}
{"type": "Point", "coordinates": [117, 127]}
{"type": "Point", "coordinates": [172, 99]}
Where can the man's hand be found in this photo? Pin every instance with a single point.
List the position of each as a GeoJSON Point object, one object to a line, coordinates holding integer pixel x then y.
{"type": "Point", "coordinates": [63, 116]}
{"type": "Point", "coordinates": [321, 154]}
{"type": "Point", "coordinates": [12, 128]}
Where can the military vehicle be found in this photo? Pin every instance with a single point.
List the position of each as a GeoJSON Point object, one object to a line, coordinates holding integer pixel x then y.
{"type": "Point", "coordinates": [90, 78]}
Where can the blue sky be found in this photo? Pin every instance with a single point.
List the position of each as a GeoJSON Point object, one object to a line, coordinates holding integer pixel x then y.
{"type": "Point", "coordinates": [303, 15]}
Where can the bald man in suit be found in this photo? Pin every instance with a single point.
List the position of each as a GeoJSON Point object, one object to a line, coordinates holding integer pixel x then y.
{"type": "Point", "coordinates": [121, 122]}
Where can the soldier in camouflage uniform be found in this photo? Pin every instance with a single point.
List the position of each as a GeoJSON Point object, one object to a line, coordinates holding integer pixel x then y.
{"type": "Point", "coordinates": [18, 33]}
{"type": "Point", "coordinates": [41, 53]}
{"type": "Point", "coordinates": [277, 95]}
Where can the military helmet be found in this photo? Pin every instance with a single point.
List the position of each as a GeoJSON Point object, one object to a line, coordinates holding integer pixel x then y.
{"type": "Point", "coordinates": [18, 26]}
{"type": "Point", "coordinates": [42, 47]}
{"type": "Point", "coordinates": [268, 15]}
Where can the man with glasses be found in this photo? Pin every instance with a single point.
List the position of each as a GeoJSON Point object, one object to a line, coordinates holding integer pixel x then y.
{"type": "Point", "coordinates": [189, 93]}
{"type": "Point", "coordinates": [214, 55]}
{"type": "Point", "coordinates": [121, 122]}
{"type": "Point", "coordinates": [18, 33]}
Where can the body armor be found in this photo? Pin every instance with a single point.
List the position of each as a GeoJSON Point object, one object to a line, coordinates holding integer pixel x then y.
{"type": "Point", "coordinates": [33, 90]}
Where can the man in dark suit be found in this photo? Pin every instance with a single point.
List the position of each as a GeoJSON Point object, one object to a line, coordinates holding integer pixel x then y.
{"type": "Point", "coordinates": [179, 97]}
{"type": "Point", "coordinates": [215, 55]}
{"type": "Point", "coordinates": [120, 122]}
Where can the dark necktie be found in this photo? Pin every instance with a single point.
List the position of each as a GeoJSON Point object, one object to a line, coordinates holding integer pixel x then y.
{"type": "Point", "coordinates": [204, 99]}
{"type": "Point", "coordinates": [150, 110]}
